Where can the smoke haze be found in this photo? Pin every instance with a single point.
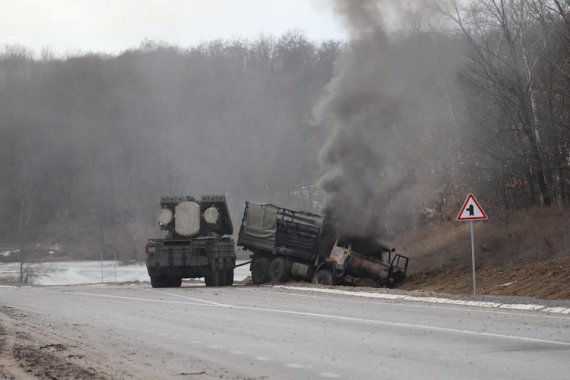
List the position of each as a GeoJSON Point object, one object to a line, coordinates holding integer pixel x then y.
{"type": "Point", "coordinates": [409, 120]}
{"type": "Point", "coordinates": [380, 108]}
{"type": "Point", "coordinates": [89, 143]}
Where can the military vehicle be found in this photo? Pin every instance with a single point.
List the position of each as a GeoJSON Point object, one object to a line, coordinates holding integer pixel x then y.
{"type": "Point", "coordinates": [197, 243]}
{"type": "Point", "coordinates": [286, 243]}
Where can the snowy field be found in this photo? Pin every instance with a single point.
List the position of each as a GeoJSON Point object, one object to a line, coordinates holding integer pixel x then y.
{"type": "Point", "coordinates": [86, 272]}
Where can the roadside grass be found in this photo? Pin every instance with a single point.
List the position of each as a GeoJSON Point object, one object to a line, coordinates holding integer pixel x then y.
{"type": "Point", "coordinates": [526, 236]}
{"type": "Point", "coordinates": [527, 254]}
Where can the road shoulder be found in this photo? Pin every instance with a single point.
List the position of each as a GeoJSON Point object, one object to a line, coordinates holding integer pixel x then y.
{"type": "Point", "coordinates": [28, 354]}
{"type": "Point", "coordinates": [549, 307]}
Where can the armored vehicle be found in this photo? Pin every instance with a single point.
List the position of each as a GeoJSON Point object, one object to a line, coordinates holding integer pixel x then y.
{"type": "Point", "coordinates": [197, 243]}
{"type": "Point", "coordinates": [286, 243]}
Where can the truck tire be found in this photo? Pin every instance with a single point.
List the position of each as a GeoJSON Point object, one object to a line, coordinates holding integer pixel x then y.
{"type": "Point", "coordinates": [229, 277]}
{"type": "Point", "coordinates": [222, 277]}
{"type": "Point", "coordinates": [158, 281]}
{"type": "Point", "coordinates": [324, 277]}
{"type": "Point", "coordinates": [396, 278]}
{"type": "Point", "coordinates": [279, 270]}
{"type": "Point", "coordinates": [214, 279]}
{"type": "Point", "coordinates": [259, 270]}
{"type": "Point", "coordinates": [175, 282]}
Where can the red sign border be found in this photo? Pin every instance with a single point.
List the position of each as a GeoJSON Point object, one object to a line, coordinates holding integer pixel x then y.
{"type": "Point", "coordinates": [471, 196]}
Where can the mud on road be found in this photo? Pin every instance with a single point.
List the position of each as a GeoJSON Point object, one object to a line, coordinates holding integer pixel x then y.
{"type": "Point", "coordinates": [34, 346]}
{"type": "Point", "coordinates": [26, 352]}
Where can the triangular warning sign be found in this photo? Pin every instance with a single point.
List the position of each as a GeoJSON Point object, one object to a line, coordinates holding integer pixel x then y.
{"type": "Point", "coordinates": [471, 210]}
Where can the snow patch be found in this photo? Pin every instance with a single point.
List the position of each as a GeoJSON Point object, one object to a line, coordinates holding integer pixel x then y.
{"type": "Point", "coordinates": [86, 272]}
{"type": "Point", "coordinates": [438, 300]}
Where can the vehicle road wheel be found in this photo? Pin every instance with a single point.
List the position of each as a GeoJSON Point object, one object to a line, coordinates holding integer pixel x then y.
{"type": "Point", "coordinates": [324, 277]}
{"type": "Point", "coordinates": [223, 277]}
{"type": "Point", "coordinates": [214, 279]}
{"type": "Point", "coordinates": [175, 282]}
{"type": "Point", "coordinates": [397, 277]}
{"type": "Point", "coordinates": [259, 273]}
{"type": "Point", "coordinates": [158, 281]}
{"type": "Point", "coordinates": [279, 270]}
{"type": "Point", "coordinates": [229, 276]}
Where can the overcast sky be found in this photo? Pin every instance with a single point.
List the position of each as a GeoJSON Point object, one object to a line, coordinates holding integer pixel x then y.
{"type": "Point", "coordinates": [114, 25]}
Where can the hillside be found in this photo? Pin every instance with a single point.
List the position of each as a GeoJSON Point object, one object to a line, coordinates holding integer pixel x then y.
{"type": "Point", "coordinates": [527, 254]}
{"type": "Point", "coordinates": [548, 279]}
{"type": "Point", "coordinates": [525, 236]}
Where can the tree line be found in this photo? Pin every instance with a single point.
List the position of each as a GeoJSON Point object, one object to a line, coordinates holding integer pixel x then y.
{"type": "Point", "coordinates": [516, 78]}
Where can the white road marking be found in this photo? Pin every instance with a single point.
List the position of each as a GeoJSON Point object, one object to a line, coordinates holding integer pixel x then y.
{"type": "Point", "coordinates": [438, 300]}
{"type": "Point", "coordinates": [141, 299]}
{"type": "Point", "coordinates": [238, 352]}
{"type": "Point", "coordinates": [329, 375]}
{"type": "Point", "coordinates": [297, 366]}
{"type": "Point", "coordinates": [348, 319]}
{"type": "Point", "coordinates": [263, 359]}
{"type": "Point", "coordinates": [556, 310]}
{"type": "Point", "coordinates": [186, 297]}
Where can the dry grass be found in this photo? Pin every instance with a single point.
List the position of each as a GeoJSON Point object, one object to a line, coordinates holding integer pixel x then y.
{"type": "Point", "coordinates": [530, 235]}
{"type": "Point", "coordinates": [527, 256]}
{"type": "Point", "coordinates": [546, 279]}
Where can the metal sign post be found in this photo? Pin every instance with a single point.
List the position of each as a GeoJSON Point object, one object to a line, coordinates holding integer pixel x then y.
{"type": "Point", "coordinates": [473, 259]}
{"type": "Point", "coordinates": [471, 211]}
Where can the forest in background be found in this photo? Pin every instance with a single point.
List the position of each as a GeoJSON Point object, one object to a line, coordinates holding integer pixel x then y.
{"type": "Point", "coordinates": [89, 142]}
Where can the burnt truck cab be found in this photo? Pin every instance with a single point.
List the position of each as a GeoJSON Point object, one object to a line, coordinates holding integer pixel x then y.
{"type": "Point", "coordinates": [365, 258]}
{"type": "Point", "coordinates": [197, 244]}
{"type": "Point", "coordinates": [286, 243]}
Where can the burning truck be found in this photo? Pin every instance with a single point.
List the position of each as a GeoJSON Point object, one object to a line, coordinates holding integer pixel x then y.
{"type": "Point", "coordinates": [305, 246]}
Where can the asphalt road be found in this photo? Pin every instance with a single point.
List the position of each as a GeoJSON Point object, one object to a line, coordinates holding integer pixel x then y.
{"type": "Point", "coordinates": [265, 332]}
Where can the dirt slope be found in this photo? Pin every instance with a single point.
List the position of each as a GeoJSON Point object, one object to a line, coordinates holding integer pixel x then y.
{"type": "Point", "coordinates": [546, 279]}
{"type": "Point", "coordinates": [526, 253]}
{"type": "Point", "coordinates": [519, 238]}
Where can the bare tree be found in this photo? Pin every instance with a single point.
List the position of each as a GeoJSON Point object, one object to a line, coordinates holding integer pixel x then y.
{"type": "Point", "coordinates": [505, 59]}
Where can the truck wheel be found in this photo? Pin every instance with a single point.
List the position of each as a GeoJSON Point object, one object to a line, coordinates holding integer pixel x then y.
{"type": "Point", "coordinates": [259, 273]}
{"type": "Point", "coordinates": [324, 277]}
{"type": "Point", "coordinates": [175, 282]}
{"type": "Point", "coordinates": [279, 270]}
{"type": "Point", "coordinates": [158, 281]}
{"type": "Point", "coordinates": [223, 277]}
{"type": "Point", "coordinates": [398, 277]}
{"type": "Point", "coordinates": [214, 279]}
{"type": "Point", "coordinates": [229, 277]}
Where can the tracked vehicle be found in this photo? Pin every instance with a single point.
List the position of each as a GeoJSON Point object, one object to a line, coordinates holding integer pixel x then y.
{"type": "Point", "coordinates": [286, 243]}
{"type": "Point", "coordinates": [198, 242]}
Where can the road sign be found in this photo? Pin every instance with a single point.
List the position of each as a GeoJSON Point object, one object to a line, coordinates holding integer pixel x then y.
{"type": "Point", "coordinates": [471, 210]}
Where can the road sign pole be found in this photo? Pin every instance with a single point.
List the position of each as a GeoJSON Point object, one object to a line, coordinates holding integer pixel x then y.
{"type": "Point", "coordinates": [470, 211]}
{"type": "Point", "coordinates": [473, 258]}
